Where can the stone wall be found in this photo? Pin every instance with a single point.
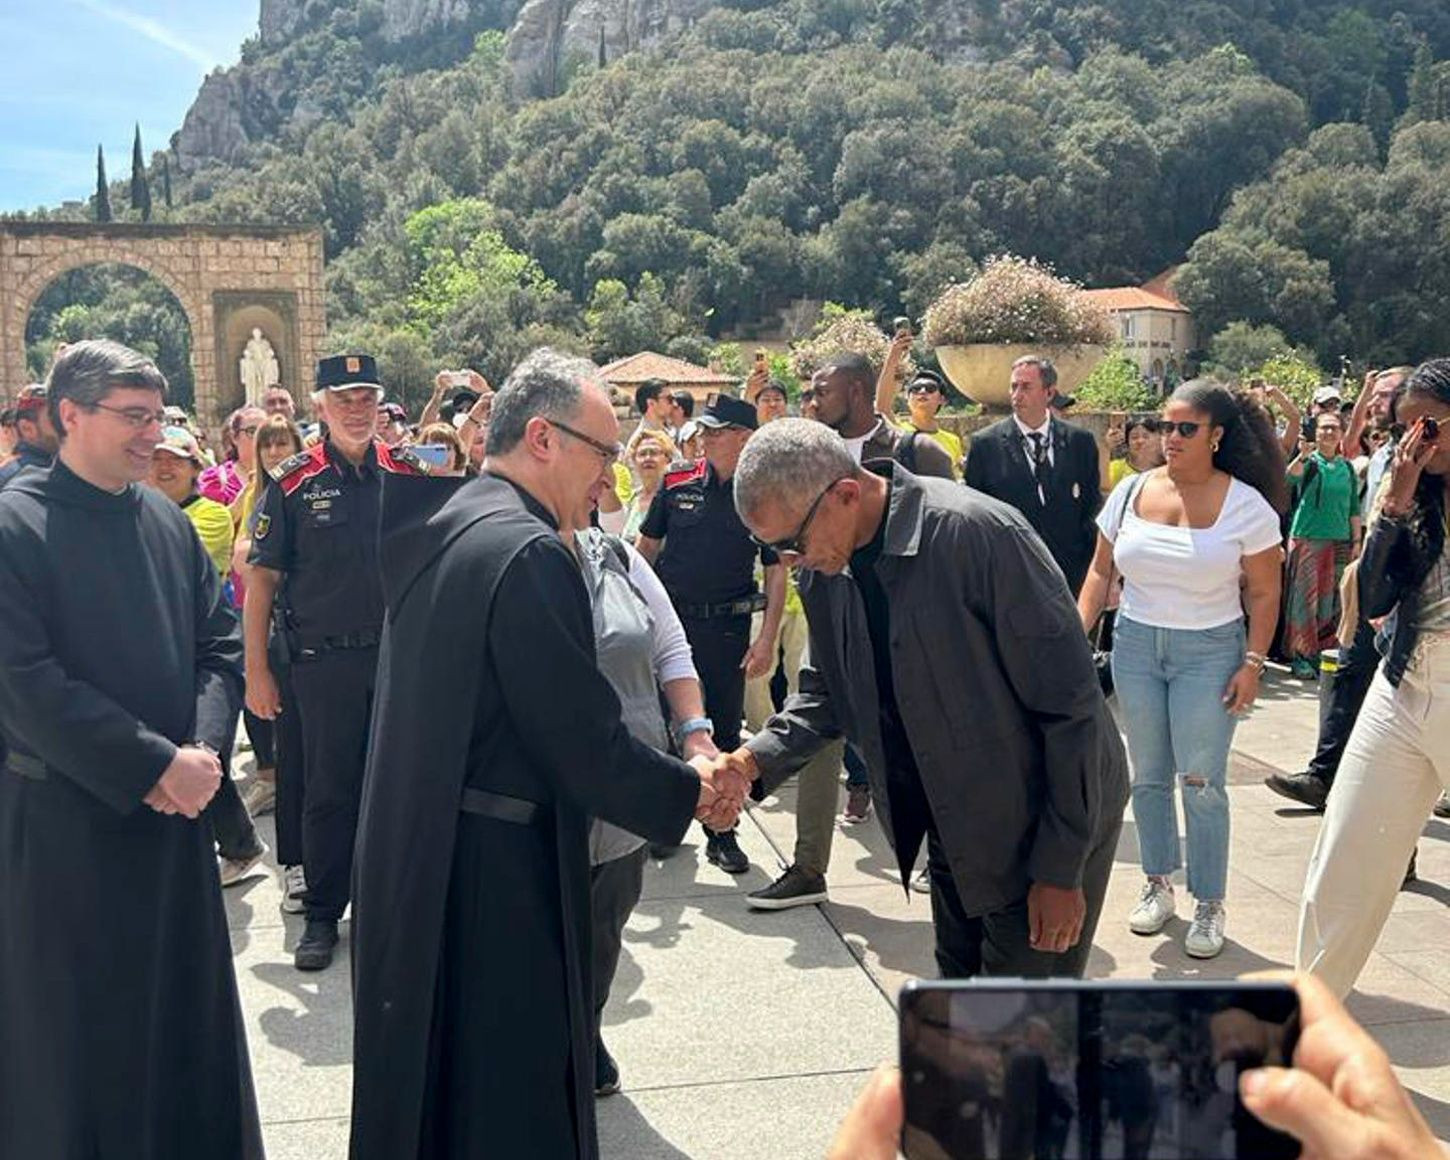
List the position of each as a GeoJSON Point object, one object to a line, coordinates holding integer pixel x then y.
{"type": "Point", "coordinates": [200, 265]}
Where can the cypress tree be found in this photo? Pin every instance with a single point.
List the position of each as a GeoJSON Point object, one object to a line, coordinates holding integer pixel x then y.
{"type": "Point", "coordinates": [102, 200]}
{"type": "Point", "coordinates": [140, 190]}
{"type": "Point", "coordinates": [166, 181]}
{"type": "Point", "coordinates": [1421, 85]}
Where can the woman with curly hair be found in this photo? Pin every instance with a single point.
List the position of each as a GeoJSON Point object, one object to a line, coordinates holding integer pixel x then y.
{"type": "Point", "coordinates": [1196, 541]}
{"type": "Point", "coordinates": [1398, 756]}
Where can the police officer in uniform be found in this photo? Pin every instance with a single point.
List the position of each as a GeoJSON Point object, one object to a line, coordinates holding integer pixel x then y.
{"type": "Point", "coordinates": [706, 560]}
{"type": "Point", "coordinates": [316, 541]}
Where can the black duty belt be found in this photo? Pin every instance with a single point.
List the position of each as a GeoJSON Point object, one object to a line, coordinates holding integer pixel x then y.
{"type": "Point", "coordinates": [30, 768]}
{"type": "Point", "coordinates": [742, 607]}
{"type": "Point", "coordinates": [501, 807]}
{"type": "Point", "coordinates": [308, 649]}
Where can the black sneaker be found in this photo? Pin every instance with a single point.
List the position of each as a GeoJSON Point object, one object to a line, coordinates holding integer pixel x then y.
{"type": "Point", "coordinates": [796, 887]}
{"type": "Point", "coordinates": [725, 852]}
{"type": "Point", "coordinates": [606, 1071]}
{"type": "Point", "coordinates": [1308, 789]}
{"type": "Point", "coordinates": [319, 940]}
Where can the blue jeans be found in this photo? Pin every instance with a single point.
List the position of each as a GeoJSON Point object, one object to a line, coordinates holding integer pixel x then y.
{"type": "Point", "coordinates": [1170, 684]}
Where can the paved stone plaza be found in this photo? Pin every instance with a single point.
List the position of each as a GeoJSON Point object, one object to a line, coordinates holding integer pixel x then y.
{"type": "Point", "coordinates": [742, 1034]}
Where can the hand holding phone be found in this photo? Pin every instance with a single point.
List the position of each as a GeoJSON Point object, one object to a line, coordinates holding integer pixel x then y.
{"type": "Point", "coordinates": [1102, 1070]}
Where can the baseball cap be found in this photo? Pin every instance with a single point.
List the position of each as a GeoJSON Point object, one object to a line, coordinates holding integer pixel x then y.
{"type": "Point", "coordinates": [771, 385]}
{"type": "Point", "coordinates": [342, 372]}
{"type": "Point", "coordinates": [726, 411]}
{"type": "Point", "coordinates": [1327, 394]}
{"type": "Point", "coordinates": [394, 411]}
{"type": "Point", "coordinates": [180, 442]}
{"type": "Point", "coordinates": [1061, 402]}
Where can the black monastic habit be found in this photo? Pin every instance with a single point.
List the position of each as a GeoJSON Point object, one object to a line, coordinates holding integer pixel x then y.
{"type": "Point", "coordinates": [120, 1029]}
{"type": "Point", "coordinates": [473, 1018]}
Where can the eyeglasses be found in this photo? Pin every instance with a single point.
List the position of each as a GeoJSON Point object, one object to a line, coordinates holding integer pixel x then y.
{"type": "Point", "coordinates": [1186, 429]}
{"type": "Point", "coordinates": [795, 545]}
{"type": "Point", "coordinates": [252, 430]}
{"type": "Point", "coordinates": [137, 417]}
{"type": "Point", "coordinates": [609, 452]}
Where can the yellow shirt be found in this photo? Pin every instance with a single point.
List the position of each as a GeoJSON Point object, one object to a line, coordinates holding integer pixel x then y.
{"type": "Point", "coordinates": [950, 442]}
{"type": "Point", "coordinates": [1119, 470]}
{"type": "Point", "coordinates": [213, 523]}
{"type": "Point", "coordinates": [623, 484]}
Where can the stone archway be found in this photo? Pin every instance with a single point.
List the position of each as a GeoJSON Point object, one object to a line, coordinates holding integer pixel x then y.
{"type": "Point", "coordinates": [217, 273]}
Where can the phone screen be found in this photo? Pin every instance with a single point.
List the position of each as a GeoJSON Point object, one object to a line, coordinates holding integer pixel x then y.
{"type": "Point", "coordinates": [434, 454]}
{"type": "Point", "coordinates": [1093, 1071]}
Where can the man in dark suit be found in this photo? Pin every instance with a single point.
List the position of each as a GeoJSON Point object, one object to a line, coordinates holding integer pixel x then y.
{"type": "Point", "coordinates": [1047, 469]}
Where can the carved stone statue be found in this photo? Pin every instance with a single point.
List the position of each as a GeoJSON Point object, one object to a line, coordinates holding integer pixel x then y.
{"type": "Point", "coordinates": [259, 369]}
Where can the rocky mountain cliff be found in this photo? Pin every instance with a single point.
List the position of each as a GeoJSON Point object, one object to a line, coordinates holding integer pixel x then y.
{"type": "Point", "coordinates": [548, 35]}
{"type": "Point", "coordinates": [545, 40]}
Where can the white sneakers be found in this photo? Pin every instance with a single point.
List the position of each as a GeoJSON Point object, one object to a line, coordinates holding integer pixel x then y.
{"type": "Point", "coordinates": [294, 890]}
{"type": "Point", "coordinates": [1205, 936]}
{"type": "Point", "coordinates": [234, 870]}
{"type": "Point", "coordinates": [1156, 906]}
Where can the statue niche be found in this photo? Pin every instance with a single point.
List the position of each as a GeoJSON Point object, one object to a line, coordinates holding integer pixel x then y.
{"type": "Point", "coordinates": [258, 368]}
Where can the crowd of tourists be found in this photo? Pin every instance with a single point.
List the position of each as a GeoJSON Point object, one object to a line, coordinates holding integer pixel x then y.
{"type": "Point", "coordinates": [491, 643]}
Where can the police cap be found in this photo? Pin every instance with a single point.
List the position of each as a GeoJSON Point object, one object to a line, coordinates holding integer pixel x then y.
{"type": "Point", "coordinates": [342, 372]}
{"type": "Point", "coordinates": [726, 411]}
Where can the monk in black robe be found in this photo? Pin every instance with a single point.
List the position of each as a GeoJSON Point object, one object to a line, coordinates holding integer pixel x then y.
{"type": "Point", "coordinates": [120, 1028]}
{"type": "Point", "coordinates": [494, 741]}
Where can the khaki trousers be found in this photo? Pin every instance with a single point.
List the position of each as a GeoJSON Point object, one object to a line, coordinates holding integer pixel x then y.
{"type": "Point", "coordinates": [1396, 762]}
{"type": "Point", "coordinates": [818, 783]}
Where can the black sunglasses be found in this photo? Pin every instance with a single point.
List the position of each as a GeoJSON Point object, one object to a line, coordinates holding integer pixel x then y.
{"type": "Point", "coordinates": [795, 545]}
{"type": "Point", "coordinates": [1186, 429]}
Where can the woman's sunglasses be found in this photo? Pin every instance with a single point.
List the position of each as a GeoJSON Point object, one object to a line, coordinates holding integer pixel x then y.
{"type": "Point", "coordinates": [1186, 429]}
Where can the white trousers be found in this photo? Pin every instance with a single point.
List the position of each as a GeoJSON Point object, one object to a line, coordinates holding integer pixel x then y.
{"type": "Point", "coordinates": [1396, 762]}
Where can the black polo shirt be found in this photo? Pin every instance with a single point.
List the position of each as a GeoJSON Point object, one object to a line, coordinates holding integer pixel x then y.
{"type": "Point", "coordinates": [317, 524]}
{"type": "Point", "coordinates": [708, 556]}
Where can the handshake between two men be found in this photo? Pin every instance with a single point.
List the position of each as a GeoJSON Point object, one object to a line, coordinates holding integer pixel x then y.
{"type": "Point", "coordinates": [724, 783]}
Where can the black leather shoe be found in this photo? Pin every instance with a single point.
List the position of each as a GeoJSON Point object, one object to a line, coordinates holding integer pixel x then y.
{"type": "Point", "coordinates": [319, 941]}
{"type": "Point", "coordinates": [606, 1071]}
{"type": "Point", "coordinates": [1307, 789]}
{"type": "Point", "coordinates": [725, 852]}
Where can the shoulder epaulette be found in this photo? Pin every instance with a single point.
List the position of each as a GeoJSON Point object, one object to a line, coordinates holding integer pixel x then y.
{"type": "Point", "coordinates": [684, 471]}
{"type": "Point", "coordinates": [292, 473]}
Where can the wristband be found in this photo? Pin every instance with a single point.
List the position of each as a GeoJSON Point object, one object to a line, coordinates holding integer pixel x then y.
{"type": "Point", "coordinates": [693, 725]}
{"type": "Point", "coordinates": [1255, 660]}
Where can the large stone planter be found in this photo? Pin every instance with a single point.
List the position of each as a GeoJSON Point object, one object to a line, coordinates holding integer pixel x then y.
{"type": "Point", "coordinates": [983, 371]}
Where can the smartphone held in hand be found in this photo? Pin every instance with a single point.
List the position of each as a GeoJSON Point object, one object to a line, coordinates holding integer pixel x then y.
{"type": "Point", "coordinates": [995, 1069]}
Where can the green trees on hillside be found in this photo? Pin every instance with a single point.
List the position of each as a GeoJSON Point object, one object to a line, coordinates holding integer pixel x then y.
{"type": "Point", "coordinates": [1341, 251]}
{"type": "Point", "coordinates": [868, 152]}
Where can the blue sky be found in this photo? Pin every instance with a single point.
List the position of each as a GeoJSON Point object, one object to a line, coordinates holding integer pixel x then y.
{"type": "Point", "coordinates": [81, 73]}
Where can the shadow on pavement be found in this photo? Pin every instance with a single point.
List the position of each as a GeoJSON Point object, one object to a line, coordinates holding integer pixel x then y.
{"type": "Point", "coordinates": [320, 1033]}
{"type": "Point", "coordinates": [624, 1131]}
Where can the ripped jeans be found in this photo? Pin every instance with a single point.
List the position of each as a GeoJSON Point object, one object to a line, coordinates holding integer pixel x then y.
{"type": "Point", "coordinates": [1170, 684]}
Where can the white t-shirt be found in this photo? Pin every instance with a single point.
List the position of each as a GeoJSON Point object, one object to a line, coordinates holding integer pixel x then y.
{"type": "Point", "coordinates": [1186, 577]}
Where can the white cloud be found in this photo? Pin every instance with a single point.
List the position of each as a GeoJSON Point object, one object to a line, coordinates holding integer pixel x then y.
{"type": "Point", "coordinates": [152, 30]}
